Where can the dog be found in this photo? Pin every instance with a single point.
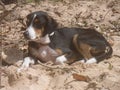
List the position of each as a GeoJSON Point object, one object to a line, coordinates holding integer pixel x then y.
{"type": "Point", "coordinates": [73, 44]}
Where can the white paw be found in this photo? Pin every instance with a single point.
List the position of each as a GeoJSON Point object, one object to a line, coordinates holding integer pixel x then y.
{"type": "Point", "coordinates": [82, 61]}
{"type": "Point", "coordinates": [92, 60]}
{"type": "Point", "coordinates": [26, 63]}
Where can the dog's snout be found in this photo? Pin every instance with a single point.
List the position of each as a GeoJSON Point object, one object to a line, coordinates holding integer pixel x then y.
{"type": "Point", "coordinates": [25, 33]}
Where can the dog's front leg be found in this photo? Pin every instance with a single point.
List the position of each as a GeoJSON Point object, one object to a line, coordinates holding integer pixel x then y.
{"type": "Point", "coordinates": [26, 63]}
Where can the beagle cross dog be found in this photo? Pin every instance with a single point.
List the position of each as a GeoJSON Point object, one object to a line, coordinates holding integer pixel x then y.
{"type": "Point", "coordinates": [72, 44]}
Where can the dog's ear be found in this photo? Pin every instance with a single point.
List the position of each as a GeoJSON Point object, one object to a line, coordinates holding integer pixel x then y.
{"type": "Point", "coordinates": [52, 22]}
{"type": "Point", "coordinates": [51, 25]}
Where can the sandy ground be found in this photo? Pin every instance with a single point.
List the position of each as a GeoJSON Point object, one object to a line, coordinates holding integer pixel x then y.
{"type": "Point", "coordinates": [103, 15]}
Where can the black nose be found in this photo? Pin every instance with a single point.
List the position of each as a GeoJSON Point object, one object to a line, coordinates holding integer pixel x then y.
{"type": "Point", "coordinates": [26, 35]}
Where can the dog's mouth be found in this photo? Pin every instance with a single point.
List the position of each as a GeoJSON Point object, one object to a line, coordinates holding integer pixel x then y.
{"type": "Point", "coordinates": [33, 33]}
{"type": "Point", "coordinates": [37, 37]}
{"type": "Point", "coordinates": [27, 37]}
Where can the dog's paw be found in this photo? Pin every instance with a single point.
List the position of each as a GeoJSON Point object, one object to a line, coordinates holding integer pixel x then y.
{"type": "Point", "coordinates": [26, 63]}
{"type": "Point", "coordinates": [90, 61]}
{"type": "Point", "coordinates": [82, 61]}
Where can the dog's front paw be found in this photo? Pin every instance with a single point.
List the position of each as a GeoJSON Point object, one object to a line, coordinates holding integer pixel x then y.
{"type": "Point", "coordinates": [26, 63]}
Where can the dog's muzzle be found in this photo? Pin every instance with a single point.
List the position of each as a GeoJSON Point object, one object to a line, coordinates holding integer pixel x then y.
{"type": "Point", "coordinates": [30, 33]}
{"type": "Point", "coordinates": [26, 35]}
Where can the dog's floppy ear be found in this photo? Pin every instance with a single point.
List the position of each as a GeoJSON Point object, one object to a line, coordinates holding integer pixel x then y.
{"type": "Point", "coordinates": [51, 25]}
{"type": "Point", "coordinates": [52, 22]}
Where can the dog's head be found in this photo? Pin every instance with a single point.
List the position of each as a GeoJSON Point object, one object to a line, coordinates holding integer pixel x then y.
{"type": "Point", "coordinates": [39, 24]}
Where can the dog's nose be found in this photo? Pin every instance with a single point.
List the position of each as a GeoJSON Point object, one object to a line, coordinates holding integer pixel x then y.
{"type": "Point", "coordinates": [26, 34]}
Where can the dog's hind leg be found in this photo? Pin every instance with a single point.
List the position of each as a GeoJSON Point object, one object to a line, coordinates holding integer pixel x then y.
{"type": "Point", "coordinates": [84, 49]}
{"type": "Point", "coordinates": [92, 52]}
{"type": "Point", "coordinates": [26, 63]}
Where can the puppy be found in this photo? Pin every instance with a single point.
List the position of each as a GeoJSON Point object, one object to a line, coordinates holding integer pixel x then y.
{"type": "Point", "coordinates": [73, 44]}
